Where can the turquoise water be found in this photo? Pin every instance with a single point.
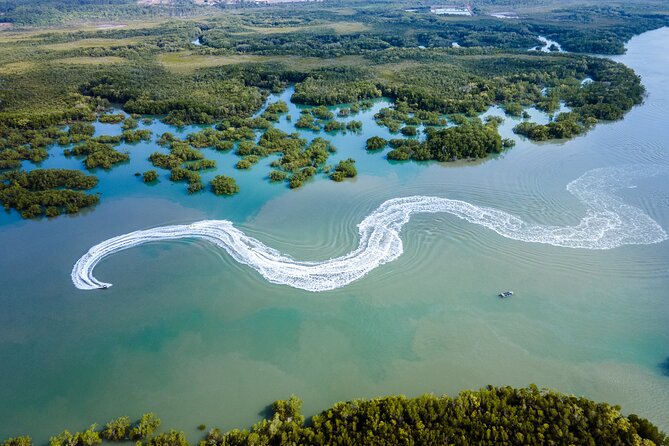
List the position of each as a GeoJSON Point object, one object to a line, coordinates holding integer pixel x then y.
{"type": "Point", "coordinates": [191, 334]}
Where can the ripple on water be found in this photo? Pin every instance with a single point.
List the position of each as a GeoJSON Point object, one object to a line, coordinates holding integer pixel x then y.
{"type": "Point", "coordinates": [331, 225]}
{"type": "Point", "coordinates": [608, 223]}
{"type": "Point", "coordinates": [639, 150]}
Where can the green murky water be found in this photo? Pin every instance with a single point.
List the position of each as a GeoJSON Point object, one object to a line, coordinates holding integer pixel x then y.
{"type": "Point", "coordinates": [191, 334]}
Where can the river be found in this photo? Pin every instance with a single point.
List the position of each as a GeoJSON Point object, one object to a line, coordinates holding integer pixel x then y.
{"type": "Point", "coordinates": [191, 334]}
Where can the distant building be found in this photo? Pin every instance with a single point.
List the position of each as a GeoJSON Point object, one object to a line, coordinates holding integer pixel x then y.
{"type": "Point", "coordinates": [452, 10]}
{"type": "Point", "coordinates": [505, 15]}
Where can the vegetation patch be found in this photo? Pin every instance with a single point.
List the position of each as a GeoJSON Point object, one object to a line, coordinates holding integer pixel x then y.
{"type": "Point", "coordinates": [55, 82]}
{"type": "Point", "coordinates": [47, 192]}
{"type": "Point", "coordinates": [188, 62]}
{"type": "Point", "coordinates": [472, 139]}
{"type": "Point", "coordinates": [223, 185]}
{"type": "Point", "coordinates": [104, 60]}
{"type": "Point", "coordinates": [490, 416]}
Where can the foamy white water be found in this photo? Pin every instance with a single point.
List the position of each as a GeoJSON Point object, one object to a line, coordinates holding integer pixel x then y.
{"type": "Point", "coordinates": [608, 223]}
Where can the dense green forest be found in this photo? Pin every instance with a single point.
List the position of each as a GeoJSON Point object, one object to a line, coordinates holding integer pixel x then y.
{"type": "Point", "coordinates": [54, 82]}
{"type": "Point", "coordinates": [490, 416]}
{"type": "Point", "coordinates": [55, 12]}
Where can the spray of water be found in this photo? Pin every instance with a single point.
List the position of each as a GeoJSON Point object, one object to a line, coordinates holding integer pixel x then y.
{"type": "Point", "coordinates": [608, 223]}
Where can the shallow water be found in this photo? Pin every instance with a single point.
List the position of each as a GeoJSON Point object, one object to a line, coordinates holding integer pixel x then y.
{"type": "Point", "coordinates": [190, 333]}
{"type": "Point", "coordinates": [547, 43]}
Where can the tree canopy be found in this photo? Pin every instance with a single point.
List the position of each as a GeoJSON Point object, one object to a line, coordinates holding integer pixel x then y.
{"type": "Point", "coordinates": [490, 416]}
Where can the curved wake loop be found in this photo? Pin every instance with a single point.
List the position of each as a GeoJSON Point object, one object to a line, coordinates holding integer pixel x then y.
{"type": "Point", "coordinates": [608, 223]}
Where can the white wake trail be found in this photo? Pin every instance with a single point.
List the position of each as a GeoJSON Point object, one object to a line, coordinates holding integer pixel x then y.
{"type": "Point", "coordinates": [608, 223]}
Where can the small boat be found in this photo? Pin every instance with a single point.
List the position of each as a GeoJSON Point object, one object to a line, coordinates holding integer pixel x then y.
{"type": "Point", "coordinates": [504, 294]}
{"type": "Point", "coordinates": [104, 287]}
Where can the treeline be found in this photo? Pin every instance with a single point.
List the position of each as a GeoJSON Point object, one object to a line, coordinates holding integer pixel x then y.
{"type": "Point", "coordinates": [338, 85]}
{"type": "Point", "coordinates": [490, 416]}
{"type": "Point", "coordinates": [53, 12]}
{"type": "Point", "coordinates": [601, 29]}
{"type": "Point", "coordinates": [453, 86]}
{"type": "Point", "coordinates": [160, 36]}
{"type": "Point", "coordinates": [588, 29]}
{"type": "Point", "coordinates": [200, 99]}
{"type": "Point", "coordinates": [389, 29]}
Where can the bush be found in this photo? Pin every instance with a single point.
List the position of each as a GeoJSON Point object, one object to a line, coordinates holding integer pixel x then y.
{"type": "Point", "coordinates": [224, 146]}
{"type": "Point", "coordinates": [90, 437]}
{"type": "Point", "coordinates": [129, 124]}
{"type": "Point", "coordinates": [376, 143]}
{"type": "Point", "coordinates": [243, 164]}
{"type": "Point", "coordinates": [18, 441]}
{"type": "Point", "coordinates": [52, 211]}
{"type": "Point", "coordinates": [131, 136]}
{"type": "Point", "coordinates": [399, 155]}
{"type": "Point", "coordinates": [148, 423]}
{"type": "Point", "coordinates": [277, 175]}
{"type": "Point", "coordinates": [354, 126]}
{"type": "Point", "coordinates": [322, 112]}
{"type": "Point", "coordinates": [171, 438]}
{"type": "Point", "coordinates": [117, 429]}
{"type": "Point", "coordinates": [513, 109]}
{"type": "Point", "coordinates": [112, 119]}
{"type": "Point", "coordinates": [508, 143]}
{"type": "Point", "coordinates": [307, 122]}
{"type": "Point", "coordinates": [150, 176]}
{"type": "Point", "coordinates": [195, 186]}
{"type": "Point", "coordinates": [337, 176]}
{"type": "Point", "coordinates": [223, 185]}
{"type": "Point", "coordinates": [333, 126]}
{"type": "Point", "coordinates": [295, 182]}
{"type": "Point", "coordinates": [345, 169]}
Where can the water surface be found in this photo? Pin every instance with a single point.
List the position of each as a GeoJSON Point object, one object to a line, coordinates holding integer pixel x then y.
{"type": "Point", "coordinates": [191, 334]}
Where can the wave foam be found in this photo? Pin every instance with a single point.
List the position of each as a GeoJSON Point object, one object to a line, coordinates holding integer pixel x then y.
{"type": "Point", "coordinates": [608, 223]}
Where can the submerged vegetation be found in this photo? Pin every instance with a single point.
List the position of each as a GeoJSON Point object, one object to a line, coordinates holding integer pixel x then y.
{"type": "Point", "coordinates": [490, 416]}
{"type": "Point", "coordinates": [62, 81]}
